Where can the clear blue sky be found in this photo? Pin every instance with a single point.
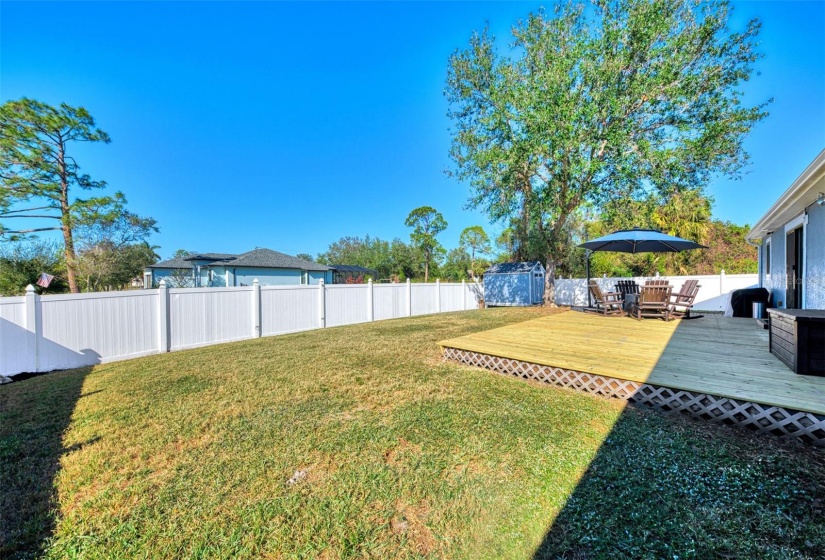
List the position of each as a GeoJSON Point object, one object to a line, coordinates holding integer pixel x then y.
{"type": "Point", "coordinates": [290, 125]}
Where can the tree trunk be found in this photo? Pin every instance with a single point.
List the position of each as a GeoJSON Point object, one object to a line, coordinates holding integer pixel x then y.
{"type": "Point", "coordinates": [426, 268]}
{"type": "Point", "coordinates": [66, 222]}
{"type": "Point", "coordinates": [550, 283]}
{"type": "Point", "coordinates": [71, 260]}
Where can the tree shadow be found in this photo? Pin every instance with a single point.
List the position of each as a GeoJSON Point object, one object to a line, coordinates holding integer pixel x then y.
{"type": "Point", "coordinates": [670, 486]}
{"type": "Point", "coordinates": [35, 411]}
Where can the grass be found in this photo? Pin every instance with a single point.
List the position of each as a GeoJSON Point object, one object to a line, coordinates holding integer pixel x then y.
{"type": "Point", "coordinates": [359, 442]}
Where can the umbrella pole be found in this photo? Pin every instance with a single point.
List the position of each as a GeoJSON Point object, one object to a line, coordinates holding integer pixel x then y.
{"type": "Point", "coordinates": [587, 269]}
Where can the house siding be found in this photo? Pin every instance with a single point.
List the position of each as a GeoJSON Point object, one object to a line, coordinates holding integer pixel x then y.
{"type": "Point", "coordinates": [815, 258]}
{"type": "Point", "coordinates": [776, 281]}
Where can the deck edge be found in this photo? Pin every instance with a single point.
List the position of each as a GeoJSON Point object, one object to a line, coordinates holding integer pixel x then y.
{"type": "Point", "coordinates": [778, 421]}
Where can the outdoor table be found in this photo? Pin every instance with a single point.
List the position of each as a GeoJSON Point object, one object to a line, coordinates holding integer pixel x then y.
{"type": "Point", "coordinates": [629, 302]}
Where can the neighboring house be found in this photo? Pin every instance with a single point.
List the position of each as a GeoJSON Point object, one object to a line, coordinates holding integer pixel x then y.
{"type": "Point", "coordinates": [270, 268]}
{"type": "Point", "coordinates": [792, 236]}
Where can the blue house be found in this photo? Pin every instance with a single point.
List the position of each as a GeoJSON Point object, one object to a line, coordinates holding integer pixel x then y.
{"type": "Point", "coordinates": [269, 267]}
{"type": "Point", "coordinates": [792, 242]}
{"type": "Point", "coordinates": [514, 284]}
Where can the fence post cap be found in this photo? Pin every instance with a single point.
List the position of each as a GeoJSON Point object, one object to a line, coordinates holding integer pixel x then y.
{"type": "Point", "coordinates": [321, 282]}
{"type": "Point", "coordinates": [408, 280]}
{"type": "Point", "coordinates": [369, 281]}
{"type": "Point", "coordinates": [162, 284]}
{"type": "Point", "coordinates": [30, 289]}
{"type": "Point", "coordinates": [255, 282]}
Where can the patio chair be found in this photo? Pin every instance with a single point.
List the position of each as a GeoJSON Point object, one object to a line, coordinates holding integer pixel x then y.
{"type": "Point", "coordinates": [654, 301]}
{"type": "Point", "coordinates": [607, 303]}
{"type": "Point", "coordinates": [625, 287]}
{"type": "Point", "coordinates": [657, 282]}
{"type": "Point", "coordinates": [684, 299]}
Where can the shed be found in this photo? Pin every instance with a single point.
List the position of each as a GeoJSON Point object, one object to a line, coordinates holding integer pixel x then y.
{"type": "Point", "coordinates": [514, 284]}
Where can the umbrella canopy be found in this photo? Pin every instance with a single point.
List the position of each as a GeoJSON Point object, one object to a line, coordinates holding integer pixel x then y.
{"type": "Point", "coordinates": [641, 241]}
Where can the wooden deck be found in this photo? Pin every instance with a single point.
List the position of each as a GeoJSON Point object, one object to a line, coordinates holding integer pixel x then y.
{"type": "Point", "coordinates": [716, 355]}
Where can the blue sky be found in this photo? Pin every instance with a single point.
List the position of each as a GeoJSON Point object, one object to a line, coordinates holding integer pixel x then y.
{"type": "Point", "coordinates": [290, 125]}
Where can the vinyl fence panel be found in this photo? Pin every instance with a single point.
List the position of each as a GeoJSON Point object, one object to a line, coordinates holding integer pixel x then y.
{"type": "Point", "coordinates": [347, 304]}
{"type": "Point", "coordinates": [16, 342]}
{"type": "Point", "coordinates": [84, 329]}
{"type": "Point", "coordinates": [201, 316]}
{"type": "Point", "coordinates": [286, 309]}
{"type": "Point", "coordinates": [424, 299]}
{"type": "Point", "coordinates": [389, 301]}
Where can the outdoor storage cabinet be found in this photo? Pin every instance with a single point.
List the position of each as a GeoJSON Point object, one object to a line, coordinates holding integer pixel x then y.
{"type": "Point", "coordinates": [797, 337]}
{"type": "Point", "coordinates": [514, 284]}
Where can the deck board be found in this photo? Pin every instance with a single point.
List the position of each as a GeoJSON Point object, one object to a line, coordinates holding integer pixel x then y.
{"type": "Point", "coordinates": [718, 355]}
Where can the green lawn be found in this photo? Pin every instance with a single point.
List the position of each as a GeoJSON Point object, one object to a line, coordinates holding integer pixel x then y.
{"type": "Point", "coordinates": [398, 455]}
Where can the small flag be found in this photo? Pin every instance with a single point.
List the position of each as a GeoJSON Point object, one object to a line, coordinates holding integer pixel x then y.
{"type": "Point", "coordinates": [45, 280]}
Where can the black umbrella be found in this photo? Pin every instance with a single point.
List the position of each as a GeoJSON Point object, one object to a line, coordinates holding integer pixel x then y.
{"type": "Point", "coordinates": [637, 240]}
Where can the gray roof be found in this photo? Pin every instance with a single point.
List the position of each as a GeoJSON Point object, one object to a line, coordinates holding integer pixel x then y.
{"type": "Point", "coordinates": [257, 258]}
{"type": "Point", "coordinates": [512, 268]}
{"type": "Point", "coordinates": [186, 262]}
{"type": "Point", "coordinates": [267, 258]}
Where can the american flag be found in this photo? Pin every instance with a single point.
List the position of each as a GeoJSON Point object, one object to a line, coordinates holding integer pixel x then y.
{"type": "Point", "coordinates": [45, 280]}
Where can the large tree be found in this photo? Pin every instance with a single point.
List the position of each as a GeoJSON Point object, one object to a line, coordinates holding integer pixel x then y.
{"type": "Point", "coordinates": [617, 100]}
{"type": "Point", "coordinates": [40, 177]}
{"type": "Point", "coordinates": [427, 223]}
{"type": "Point", "coordinates": [474, 241]}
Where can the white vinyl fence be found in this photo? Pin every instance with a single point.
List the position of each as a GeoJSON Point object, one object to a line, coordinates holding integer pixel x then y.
{"type": "Point", "coordinates": [713, 294]}
{"type": "Point", "coordinates": [44, 333]}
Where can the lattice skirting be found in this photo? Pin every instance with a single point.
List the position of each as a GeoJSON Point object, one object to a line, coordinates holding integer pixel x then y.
{"type": "Point", "coordinates": [775, 420]}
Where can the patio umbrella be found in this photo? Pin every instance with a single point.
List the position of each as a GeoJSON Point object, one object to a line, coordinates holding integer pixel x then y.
{"type": "Point", "coordinates": [641, 241]}
{"type": "Point", "coordinates": [637, 240]}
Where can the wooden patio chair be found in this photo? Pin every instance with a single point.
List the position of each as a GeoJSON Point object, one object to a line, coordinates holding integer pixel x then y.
{"type": "Point", "coordinates": [625, 287]}
{"type": "Point", "coordinates": [657, 282]}
{"type": "Point", "coordinates": [684, 299]}
{"type": "Point", "coordinates": [654, 301]}
{"type": "Point", "coordinates": [607, 303]}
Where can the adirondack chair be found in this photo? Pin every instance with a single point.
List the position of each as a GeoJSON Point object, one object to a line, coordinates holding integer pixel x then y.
{"type": "Point", "coordinates": [654, 301]}
{"type": "Point", "coordinates": [657, 282]}
{"type": "Point", "coordinates": [684, 299]}
{"type": "Point", "coordinates": [607, 303]}
{"type": "Point", "coordinates": [625, 287]}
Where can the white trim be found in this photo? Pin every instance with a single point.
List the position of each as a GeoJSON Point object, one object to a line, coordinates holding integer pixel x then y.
{"type": "Point", "coordinates": [799, 196]}
{"type": "Point", "coordinates": [795, 223]}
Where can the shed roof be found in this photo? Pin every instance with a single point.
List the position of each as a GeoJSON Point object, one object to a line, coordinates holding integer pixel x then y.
{"type": "Point", "coordinates": [512, 268]}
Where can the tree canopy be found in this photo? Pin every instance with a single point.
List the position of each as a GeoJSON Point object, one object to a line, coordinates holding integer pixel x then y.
{"type": "Point", "coordinates": [40, 176]}
{"type": "Point", "coordinates": [427, 223]}
{"type": "Point", "coordinates": [619, 101]}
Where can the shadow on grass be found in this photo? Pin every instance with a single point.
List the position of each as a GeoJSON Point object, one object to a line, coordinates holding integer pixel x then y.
{"type": "Point", "coordinates": [34, 414]}
{"type": "Point", "coordinates": [668, 486]}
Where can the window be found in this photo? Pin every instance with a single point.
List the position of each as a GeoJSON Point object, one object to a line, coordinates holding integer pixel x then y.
{"type": "Point", "coordinates": [767, 268]}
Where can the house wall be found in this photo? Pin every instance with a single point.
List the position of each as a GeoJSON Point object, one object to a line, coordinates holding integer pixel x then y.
{"type": "Point", "coordinates": [815, 258]}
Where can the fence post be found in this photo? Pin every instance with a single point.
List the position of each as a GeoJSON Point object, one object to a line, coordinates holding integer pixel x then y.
{"type": "Point", "coordinates": [256, 309]}
{"type": "Point", "coordinates": [409, 298]}
{"type": "Point", "coordinates": [464, 295]}
{"type": "Point", "coordinates": [722, 282]}
{"type": "Point", "coordinates": [33, 322]}
{"type": "Point", "coordinates": [438, 295]}
{"type": "Point", "coordinates": [370, 301]}
{"type": "Point", "coordinates": [163, 317]}
{"type": "Point", "coordinates": [322, 303]}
